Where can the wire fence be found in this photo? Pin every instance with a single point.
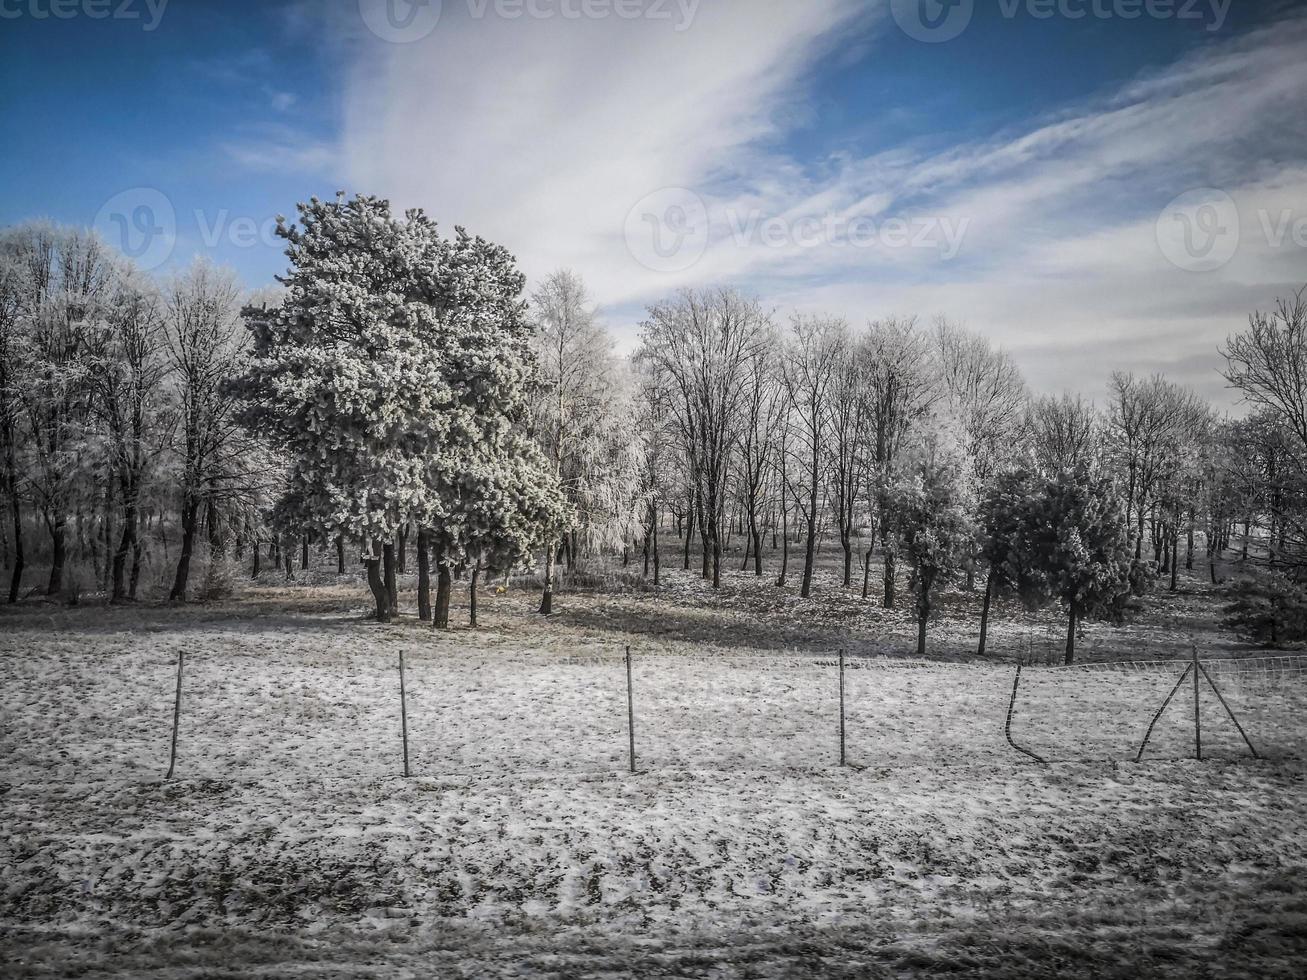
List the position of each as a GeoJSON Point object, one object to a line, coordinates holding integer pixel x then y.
{"type": "Point", "coordinates": [235, 715]}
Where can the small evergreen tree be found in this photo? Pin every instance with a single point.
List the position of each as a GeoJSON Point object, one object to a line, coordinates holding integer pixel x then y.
{"type": "Point", "coordinates": [935, 530]}
{"type": "Point", "coordinates": [1077, 541]}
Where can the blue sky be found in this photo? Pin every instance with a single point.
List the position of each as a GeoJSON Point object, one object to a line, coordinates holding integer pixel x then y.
{"type": "Point", "coordinates": [1016, 177]}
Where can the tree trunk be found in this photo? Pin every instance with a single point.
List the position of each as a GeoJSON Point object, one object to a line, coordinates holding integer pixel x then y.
{"type": "Point", "coordinates": [340, 554]}
{"type": "Point", "coordinates": [923, 616]}
{"type": "Point", "coordinates": [810, 552]}
{"type": "Point", "coordinates": [136, 570]}
{"type": "Point", "coordinates": [472, 593]}
{"type": "Point", "coordinates": [846, 542]}
{"type": "Point", "coordinates": [378, 587]}
{"type": "Point", "coordinates": [304, 553]}
{"type": "Point", "coordinates": [254, 572]}
{"type": "Point", "coordinates": [403, 550]}
{"type": "Point", "coordinates": [547, 599]}
{"type": "Point", "coordinates": [58, 554]}
{"type": "Point", "coordinates": [755, 535]}
{"type": "Point", "coordinates": [388, 567]}
{"type": "Point", "coordinates": [190, 509]}
{"type": "Point", "coordinates": [785, 542]}
{"type": "Point", "coordinates": [125, 544]}
{"type": "Point", "coordinates": [16, 575]}
{"type": "Point", "coordinates": [984, 611]}
{"type": "Point", "coordinates": [440, 615]}
{"type": "Point", "coordinates": [1175, 555]}
{"type": "Point", "coordinates": [1071, 635]}
{"type": "Point", "coordinates": [866, 572]}
{"type": "Point", "coordinates": [689, 533]}
{"type": "Point", "coordinates": [888, 578]}
{"type": "Point", "coordinates": [424, 575]}
{"type": "Point", "coordinates": [214, 528]}
{"type": "Point", "coordinates": [655, 545]}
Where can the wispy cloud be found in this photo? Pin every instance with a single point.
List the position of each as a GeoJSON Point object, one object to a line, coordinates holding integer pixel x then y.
{"type": "Point", "coordinates": [545, 134]}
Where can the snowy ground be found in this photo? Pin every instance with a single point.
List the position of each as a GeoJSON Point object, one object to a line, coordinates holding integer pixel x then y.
{"type": "Point", "coordinates": [290, 845]}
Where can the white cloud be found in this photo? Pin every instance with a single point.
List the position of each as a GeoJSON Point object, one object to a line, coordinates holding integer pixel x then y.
{"type": "Point", "coordinates": [542, 134]}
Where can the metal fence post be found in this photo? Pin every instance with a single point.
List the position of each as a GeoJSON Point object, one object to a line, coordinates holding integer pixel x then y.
{"type": "Point", "coordinates": [176, 714]}
{"type": "Point", "coordinates": [1198, 725]}
{"type": "Point", "coordinates": [403, 712]}
{"type": "Point", "coordinates": [1007, 725]}
{"type": "Point", "coordinates": [842, 755]}
{"type": "Point", "coordinates": [630, 710]}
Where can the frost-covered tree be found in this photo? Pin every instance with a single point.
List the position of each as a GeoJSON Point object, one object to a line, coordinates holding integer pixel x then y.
{"type": "Point", "coordinates": [900, 390]}
{"type": "Point", "coordinates": [206, 348]}
{"type": "Point", "coordinates": [63, 278]}
{"type": "Point", "coordinates": [128, 374]}
{"type": "Point", "coordinates": [395, 358]}
{"type": "Point", "coordinates": [1006, 507]}
{"type": "Point", "coordinates": [703, 342]}
{"type": "Point", "coordinates": [809, 362]}
{"type": "Point", "coordinates": [581, 416]}
{"type": "Point", "coordinates": [1061, 432]}
{"type": "Point", "coordinates": [1077, 540]}
{"type": "Point", "coordinates": [935, 529]}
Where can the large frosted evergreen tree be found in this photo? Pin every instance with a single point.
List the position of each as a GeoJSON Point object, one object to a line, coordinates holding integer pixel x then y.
{"type": "Point", "coordinates": [396, 358]}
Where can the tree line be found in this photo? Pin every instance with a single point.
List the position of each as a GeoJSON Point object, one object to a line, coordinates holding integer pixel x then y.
{"type": "Point", "coordinates": [400, 386]}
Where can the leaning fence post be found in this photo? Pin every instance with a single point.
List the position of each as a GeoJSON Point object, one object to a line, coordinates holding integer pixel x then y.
{"type": "Point", "coordinates": [403, 712]}
{"type": "Point", "coordinates": [1198, 725]}
{"type": "Point", "coordinates": [1153, 724]}
{"type": "Point", "coordinates": [176, 715]}
{"type": "Point", "coordinates": [842, 757]}
{"type": "Point", "coordinates": [630, 710]}
{"type": "Point", "coordinates": [1007, 728]}
{"type": "Point", "coordinates": [1220, 697]}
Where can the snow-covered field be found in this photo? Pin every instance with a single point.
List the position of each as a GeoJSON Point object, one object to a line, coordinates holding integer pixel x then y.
{"type": "Point", "coordinates": [290, 845]}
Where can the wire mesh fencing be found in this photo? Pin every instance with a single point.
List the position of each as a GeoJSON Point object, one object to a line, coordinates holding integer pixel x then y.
{"type": "Point", "coordinates": [259, 713]}
{"type": "Point", "coordinates": [1107, 710]}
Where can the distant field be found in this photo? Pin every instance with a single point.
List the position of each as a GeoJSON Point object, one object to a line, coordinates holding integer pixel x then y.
{"type": "Point", "coordinates": [290, 846]}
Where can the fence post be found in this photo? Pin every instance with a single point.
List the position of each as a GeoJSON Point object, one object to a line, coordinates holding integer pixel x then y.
{"type": "Point", "coordinates": [842, 756]}
{"type": "Point", "coordinates": [1156, 717]}
{"type": "Point", "coordinates": [176, 714]}
{"type": "Point", "coordinates": [1007, 726]}
{"type": "Point", "coordinates": [1198, 725]}
{"type": "Point", "coordinates": [1221, 697]}
{"type": "Point", "coordinates": [630, 710]}
{"type": "Point", "coordinates": [403, 712]}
